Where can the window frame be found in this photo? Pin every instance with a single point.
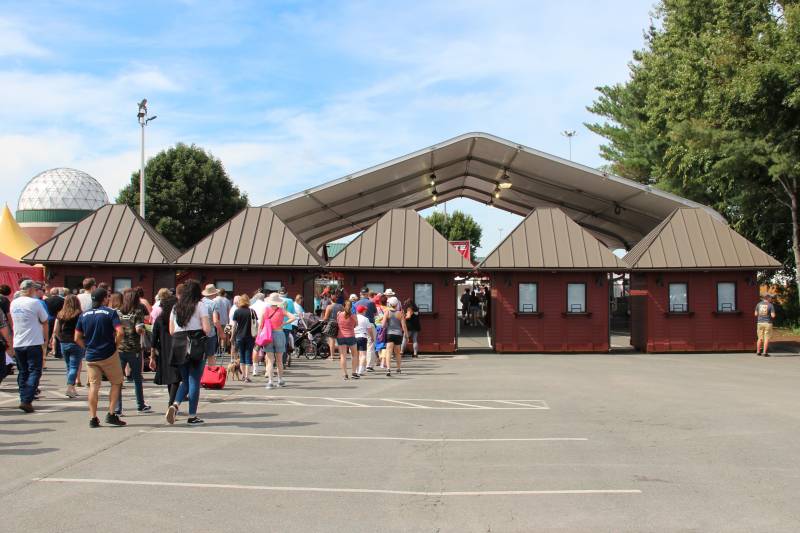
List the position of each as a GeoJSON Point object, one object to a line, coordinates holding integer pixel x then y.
{"type": "Point", "coordinates": [433, 294]}
{"type": "Point", "coordinates": [735, 297]}
{"type": "Point", "coordinates": [669, 303]}
{"type": "Point", "coordinates": [231, 292]}
{"type": "Point", "coordinates": [114, 283]}
{"type": "Point", "coordinates": [381, 283]}
{"type": "Point", "coordinates": [585, 309]}
{"type": "Point", "coordinates": [519, 299]}
{"type": "Point", "coordinates": [264, 283]}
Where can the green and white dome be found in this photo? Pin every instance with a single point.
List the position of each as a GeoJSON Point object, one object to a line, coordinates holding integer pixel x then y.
{"type": "Point", "coordinates": [60, 195]}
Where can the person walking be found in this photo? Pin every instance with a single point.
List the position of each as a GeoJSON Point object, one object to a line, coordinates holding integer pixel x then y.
{"type": "Point", "coordinates": [223, 308]}
{"type": "Point", "coordinates": [331, 312]}
{"type": "Point", "coordinates": [465, 299]}
{"type": "Point", "coordinates": [245, 320]}
{"type": "Point", "coordinates": [167, 373]}
{"type": "Point", "coordinates": [288, 326]}
{"type": "Point", "coordinates": [188, 325]}
{"type": "Point", "coordinates": [395, 323]}
{"type": "Point", "coordinates": [765, 314]}
{"type": "Point", "coordinates": [346, 320]}
{"type": "Point", "coordinates": [369, 313]}
{"type": "Point", "coordinates": [413, 326]}
{"type": "Point", "coordinates": [30, 322]}
{"type": "Point", "coordinates": [365, 335]}
{"type": "Point", "coordinates": [131, 316]}
{"type": "Point", "coordinates": [64, 334]}
{"type": "Point", "coordinates": [99, 333]}
{"type": "Point", "coordinates": [274, 317]}
{"type": "Point", "coordinates": [54, 303]}
{"type": "Point", "coordinates": [89, 284]}
{"type": "Point", "coordinates": [259, 305]}
{"type": "Point", "coordinates": [212, 341]}
{"type": "Point", "coordinates": [6, 350]}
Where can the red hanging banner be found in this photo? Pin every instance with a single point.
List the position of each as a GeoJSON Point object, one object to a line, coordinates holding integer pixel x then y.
{"type": "Point", "coordinates": [463, 248]}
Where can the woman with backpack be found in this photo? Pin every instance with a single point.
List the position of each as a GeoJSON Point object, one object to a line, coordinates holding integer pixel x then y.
{"type": "Point", "coordinates": [64, 332]}
{"type": "Point", "coordinates": [131, 316]}
{"type": "Point", "coordinates": [188, 325]}
{"type": "Point", "coordinates": [273, 318]}
{"type": "Point", "coordinates": [245, 326]}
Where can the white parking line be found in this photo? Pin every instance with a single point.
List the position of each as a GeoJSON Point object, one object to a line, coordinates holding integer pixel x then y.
{"type": "Point", "coordinates": [341, 437]}
{"type": "Point", "coordinates": [406, 403]}
{"type": "Point", "coordinates": [391, 403]}
{"type": "Point", "coordinates": [353, 404]}
{"type": "Point", "coordinates": [465, 404]}
{"type": "Point", "coordinates": [433, 494]}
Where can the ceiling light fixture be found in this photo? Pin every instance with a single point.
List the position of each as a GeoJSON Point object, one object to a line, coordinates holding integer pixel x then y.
{"type": "Point", "coordinates": [434, 194]}
{"type": "Point", "coordinates": [505, 181]}
{"type": "Point", "coordinates": [497, 192]}
{"type": "Point", "coordinates": [433, 179]}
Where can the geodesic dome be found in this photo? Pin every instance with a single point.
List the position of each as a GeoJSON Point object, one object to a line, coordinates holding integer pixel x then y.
{"type": "Point", "coordinates": [60, 195]}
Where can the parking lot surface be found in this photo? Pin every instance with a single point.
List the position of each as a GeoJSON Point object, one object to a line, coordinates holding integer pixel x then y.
{"type": "Point", "coordinates": [479, 442]}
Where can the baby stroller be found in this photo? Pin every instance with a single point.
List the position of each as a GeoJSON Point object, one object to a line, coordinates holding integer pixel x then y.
{"type": "Point", "coordinates": [308, 338]}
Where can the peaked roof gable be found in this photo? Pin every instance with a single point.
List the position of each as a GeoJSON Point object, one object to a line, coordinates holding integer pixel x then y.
{"type": "Point", "coordinates": [690, 238]}
{"type": "Point", "coordinates": [112, 234]}
{"type": "Point", "coordinates": [547, 239]}
{"type": "Point", "coordinates": [401, 239]}
{"type": "Point", "coordinates": [253, 237]}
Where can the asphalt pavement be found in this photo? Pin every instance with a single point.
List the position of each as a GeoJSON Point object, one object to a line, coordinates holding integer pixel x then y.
{"type": "Point", "coordinates": [480, 442]}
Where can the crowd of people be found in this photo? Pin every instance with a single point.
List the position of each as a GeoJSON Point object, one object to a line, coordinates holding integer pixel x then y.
{"type": "Point", "coordinates": [119, 335]}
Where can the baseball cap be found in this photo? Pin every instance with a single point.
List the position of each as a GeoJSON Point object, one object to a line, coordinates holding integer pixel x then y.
{"type": "Point", "coordinates": [364, 290]}
{"type": "Point", "coordinates": [353, 297]}
{"type": "Point", "coordinates": [27, 284]}
{"type": "Point", "coordinates": [361, 309]}
{"type": "Point", "coordinates": [98, 295]}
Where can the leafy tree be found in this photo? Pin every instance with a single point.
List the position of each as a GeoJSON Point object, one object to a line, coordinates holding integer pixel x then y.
{"type": "Point", "coordinates": [457, 227]}
{"type": "Point", "coordinates": [188, 195]}
{"type": "Point", "coordinates": [712, 112]}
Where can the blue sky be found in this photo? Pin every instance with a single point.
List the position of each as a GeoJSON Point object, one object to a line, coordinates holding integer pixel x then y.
{"type": "Point", "coordinates": [290, 94]}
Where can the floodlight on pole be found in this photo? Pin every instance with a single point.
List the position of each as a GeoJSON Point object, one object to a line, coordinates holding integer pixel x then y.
{"type": "Point", "coordinates": [569, 134]}
{"type": "Point", "coordinates": [144, 120]}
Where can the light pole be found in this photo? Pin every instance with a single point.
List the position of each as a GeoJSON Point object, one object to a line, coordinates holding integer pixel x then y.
{"type": "Point", "coordinates": [569, 134]}
{"type": "Point", "coordinates": [143, 121]}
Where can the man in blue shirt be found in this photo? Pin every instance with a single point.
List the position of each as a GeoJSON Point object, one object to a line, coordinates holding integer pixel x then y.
{"type": "Point", "coordinates": [370, 313]}
{"type": "Point", "coordinates": [288, 305]}
{"type": "Point", "coordinates": [99, 332]}
{"type": "Point", "coordinates": [765, 314]}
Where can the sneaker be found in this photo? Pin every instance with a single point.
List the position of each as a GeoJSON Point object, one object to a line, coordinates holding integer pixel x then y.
{"type": "Point", "coordinates": [194, 420]}
{"type": "Point", "coordinates": [356, 376]}
{"type": "Point", "coordinates": [145, 409]}
{"type": "Point", "coordinates": [388, 373]}
{"type": "Point", "coordinates": [28, 408]}
{"type": "Point", "coordinates": [346, 377]}
{"type": "Point", "coordinates": [270, 385]}
{"type": "Point", "coordinates": [94, 422]}
{"type": "Point", "coordinates": [248, 380]}
{"type": "Point", "coordinates": [370, 369]}
{"type": "Point", "coordinates": [281, 383]}
{"type": "Point", "coordinates": [765, 354]}
{"type": "Point", "coordinates": [171, 412]}
{"type": "Point", "coordinates": [113, 419]}
{"type": "Point", "coordinates": [71, 393]}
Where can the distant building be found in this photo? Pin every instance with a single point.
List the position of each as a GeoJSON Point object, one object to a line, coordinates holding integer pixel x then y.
{"type": "Point", "coordinates": [56, 198]}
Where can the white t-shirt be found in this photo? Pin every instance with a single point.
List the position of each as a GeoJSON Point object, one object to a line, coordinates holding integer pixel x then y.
{"type": "Point", "coordinates": [259, 306]}
{"type": "Point", "coordinates": [28, 314]}
{"type": "Point", "coordinates": [363, 325]}
{"type": "Point", "coordinates": [195, 323]}
{"type": "Point", "coordinates": [86, 301]}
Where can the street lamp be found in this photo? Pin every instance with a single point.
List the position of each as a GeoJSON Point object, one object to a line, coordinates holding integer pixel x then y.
{"type": "Point", "coordinates": [143, 121]}
{"type": "Point", "coordinates": [569, 134]}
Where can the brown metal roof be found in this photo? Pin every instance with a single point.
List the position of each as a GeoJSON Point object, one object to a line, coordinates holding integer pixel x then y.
{"type": "Point", "coordinates": [692, 239]}
{"type": "Point", "coordinates": [112, 234]}
{"type": "Point", "coordinates": [617, 211]}
{"type": "Point", "coordinates": [401, 239]}
{"type": "Point", "coordinates": [547, 239]}
{"type": "Point", "coordinates": [254, 237]}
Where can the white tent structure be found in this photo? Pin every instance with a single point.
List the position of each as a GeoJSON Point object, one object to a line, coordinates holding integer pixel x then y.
{"type": "Point", "coordinates": [484, 168]}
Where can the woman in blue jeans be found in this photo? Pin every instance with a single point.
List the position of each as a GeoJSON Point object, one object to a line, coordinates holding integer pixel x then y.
{"type": "Point", "coordinates": [64, 333]}
{"type": "Point", "coordinates": [188, 323]}
{"type": "Point", "coordinates": [131, 316]}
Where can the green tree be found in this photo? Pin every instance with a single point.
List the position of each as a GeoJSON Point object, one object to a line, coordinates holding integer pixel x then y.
{"type": "Point", "coordinates": [712, 112]}
{"type": "Point", "coordinates": [188, 195]}
{"type": "Point", "coordinates": [457, 226]}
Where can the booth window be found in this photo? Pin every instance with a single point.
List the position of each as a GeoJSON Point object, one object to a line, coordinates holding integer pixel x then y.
{"type": "Point", "coordinates": [73, 283]}
{"type": "Point", "coordinates": [678, 298]}
{"type": "Point", "coordinates": [271, 286]}
{"type": "Point", "coordinates": [528, 293]}
{"type": "Point", "coordinates": [225, 284]}
{"type": "Point", "coordinates": [120, 284]}
{"type": "Point", "coordinates": [726, 297]}
{"type": "Point", "coordinates": [375, 287]}
{"type": "Point", "coordinates": [423, 297]}
{"type": "Point", "coordinates": [576, 297]}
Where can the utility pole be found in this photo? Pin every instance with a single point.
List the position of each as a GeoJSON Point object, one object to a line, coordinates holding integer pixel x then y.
{"type": "Point", "coordinates": [143, 121]}
{"type": "Point", "coordinates": [569, 134]}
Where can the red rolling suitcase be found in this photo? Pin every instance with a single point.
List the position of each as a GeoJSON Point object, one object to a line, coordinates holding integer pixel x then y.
{"type": "Point", "coordinates": [214, 377]}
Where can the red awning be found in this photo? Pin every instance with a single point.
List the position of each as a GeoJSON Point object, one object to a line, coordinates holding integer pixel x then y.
{"type": "Point", "coordinates": [12, 271]}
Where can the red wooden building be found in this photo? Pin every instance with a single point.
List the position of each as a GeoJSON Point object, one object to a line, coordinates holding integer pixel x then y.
{"type": "Point", "coordinates": [253, 250]}
{"type": "Point", "coordinates": [402, 252]}
{"type": "Point", "coordinates": [694, 286]}
{"type": "Point", "coordinates": [550, 287]}
{"type": "Point", "coordinates": [112, 245]}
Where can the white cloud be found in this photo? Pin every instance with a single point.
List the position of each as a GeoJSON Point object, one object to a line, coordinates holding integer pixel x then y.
{"type": "Point", "coordinates": [15, 42]}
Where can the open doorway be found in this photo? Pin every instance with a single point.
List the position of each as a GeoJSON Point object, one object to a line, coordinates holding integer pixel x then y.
{"type": "Point", "coordinates": [620, 313]}
{"type": "Point", "coordinates": [473, 319]}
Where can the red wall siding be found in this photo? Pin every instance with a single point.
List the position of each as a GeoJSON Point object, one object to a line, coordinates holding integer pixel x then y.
{"type": "Point", "coordinates": [140, 276]}
{"type": "Point", "coordinates": [250, 280]}
{"type": "Point", "coordinates": [703, 330]}
{"type": "Point", "coordinates": [438, 333]}
{"type": "Point", "coordinates": [551, 331]}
